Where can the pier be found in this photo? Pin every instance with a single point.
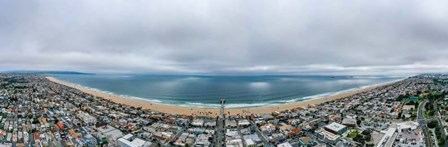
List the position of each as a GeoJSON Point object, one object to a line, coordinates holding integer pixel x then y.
{"type": "Point", "coordinates": [220, 130]}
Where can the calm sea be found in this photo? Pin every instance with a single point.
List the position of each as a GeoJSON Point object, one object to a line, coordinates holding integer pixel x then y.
{"type": "Point", "coordinates": [239, 91]}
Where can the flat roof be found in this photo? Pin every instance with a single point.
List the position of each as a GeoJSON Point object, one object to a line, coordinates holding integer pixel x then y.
{"type": "Point", "coordinates": [335, 126]}
{"type": "Point", "coordinates": [286, 144]}
{"type": "Point", "coordinates": [349, 121]}
{"type": "Point", "coordinates": [127, 136]}
{"type": "Point", "coordinates": [134, 143]}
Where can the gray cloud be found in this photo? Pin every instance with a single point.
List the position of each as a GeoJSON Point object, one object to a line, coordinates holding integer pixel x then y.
{"type": "Point", "coordinates": [288, 37]}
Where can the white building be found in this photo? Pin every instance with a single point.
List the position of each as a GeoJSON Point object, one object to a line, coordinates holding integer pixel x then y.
{"type": "Point", "coordinates": [198, 123]}
{"type": "Point", "coordinates": [130, 141]}
{"type": "Point", "coordinates": [407, 126]}
{"type": "Point", "coordinates": [234, 143]}
{"type": "Point", "coordinates": [110, 132]}
{"type": "Point", "coordinates": [244, 122]}
{"type": "Point", "coordinates": [388, 138]}
{"type": "Point", "coordinates": [86, 118]}
{"type": "Point", "coordinates": [336, 128]}
{"type": "Point", "coordinates": [249, 142]}
{"type": "Point", "coordinates": [327, 136]}
{"type": "Point", "coordinates": [407, 133]}
{"type": "Point", "coordinates": [286, 144]}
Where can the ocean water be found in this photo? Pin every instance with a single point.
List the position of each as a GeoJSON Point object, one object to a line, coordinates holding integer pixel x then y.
{"type": "Point", "coordinates": [238, 91]}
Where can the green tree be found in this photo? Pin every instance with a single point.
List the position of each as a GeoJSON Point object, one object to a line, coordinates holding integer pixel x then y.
{"type": "Point", "coordinates": [441, 142]}
{"type": "Point", "coordinates": [432, 124]}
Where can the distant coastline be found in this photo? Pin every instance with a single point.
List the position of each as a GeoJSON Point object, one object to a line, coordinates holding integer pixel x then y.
{"type": "Point", "coordinates": [46, 72]}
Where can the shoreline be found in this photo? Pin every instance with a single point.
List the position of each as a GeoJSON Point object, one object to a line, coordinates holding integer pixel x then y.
{"type": "Point", "coordinates": [183, 110]}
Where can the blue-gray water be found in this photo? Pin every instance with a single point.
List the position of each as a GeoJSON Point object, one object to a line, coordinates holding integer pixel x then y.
{"type": "Point", "coordinates": [239, 91]}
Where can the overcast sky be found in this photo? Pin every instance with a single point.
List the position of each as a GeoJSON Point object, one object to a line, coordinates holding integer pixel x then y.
{"type": "Point", "coordinates": [225, 36]}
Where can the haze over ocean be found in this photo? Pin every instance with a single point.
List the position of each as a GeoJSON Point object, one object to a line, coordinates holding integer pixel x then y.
{"type": "Point", "coordinates": [239, 91]}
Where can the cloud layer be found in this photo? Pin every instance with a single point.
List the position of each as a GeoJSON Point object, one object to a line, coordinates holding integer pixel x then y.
{"type": "Point", "coordinates": [222, 36]}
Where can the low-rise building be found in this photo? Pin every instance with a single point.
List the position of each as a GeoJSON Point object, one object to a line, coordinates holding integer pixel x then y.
{"type": "Point", "coordinates": [336, 128]}
{"type": "Point", "coordinates": [130, 140]}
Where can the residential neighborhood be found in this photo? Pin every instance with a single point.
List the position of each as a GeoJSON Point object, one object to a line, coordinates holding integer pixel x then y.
{"type": "Point", "coordinates": [412, 112]}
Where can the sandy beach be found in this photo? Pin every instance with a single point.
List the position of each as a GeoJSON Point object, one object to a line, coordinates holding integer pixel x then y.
{"type": "Point", "coordinates": [207, 111]}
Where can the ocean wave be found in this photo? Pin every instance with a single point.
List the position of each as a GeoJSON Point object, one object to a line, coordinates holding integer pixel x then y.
{"type": "Point", "coordinates": [233, 105]}
{"type": "Point", "coordinates": [241, 105]}
{"type": "Point", "coordinates": [114, 94]}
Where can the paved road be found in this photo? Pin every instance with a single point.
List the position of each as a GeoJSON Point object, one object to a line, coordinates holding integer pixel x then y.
{"type": "Point", "coordinates": [220, 132]}
{"type": "Point", "coordinates": [221, 128]}
{"type": "Point", "coordinates": [262, 136]}
{"type": "Point", "coordinates": [433, 137]}
{"type": "Point", "coordinates": [420, 115]}
{"type": "Point", "coordinates": [439, 120]}
{"type": "Point", "coordinates": [422, 122]}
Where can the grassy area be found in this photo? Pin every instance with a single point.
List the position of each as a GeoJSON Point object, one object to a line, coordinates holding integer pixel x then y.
{"type": "Point", "coordinates": [422, 98]}
{"type": "Point", "coordinates": [414, 116]}
{"type": "Point", "coordinates": [438, 132]}
{"type": "Point", "coordinates": [353, 134]}
{"type": "Point", "coordinates": [428, 114]}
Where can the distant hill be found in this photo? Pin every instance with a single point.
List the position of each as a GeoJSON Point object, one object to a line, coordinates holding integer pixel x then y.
{"type": "Point", "coordinates": [49, 72]}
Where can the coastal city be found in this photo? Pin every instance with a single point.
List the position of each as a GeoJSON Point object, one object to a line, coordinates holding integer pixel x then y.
{"type": "Point", "coordinates": [412, 112]}
{"type": "Point", "coordinates": [223, 73]}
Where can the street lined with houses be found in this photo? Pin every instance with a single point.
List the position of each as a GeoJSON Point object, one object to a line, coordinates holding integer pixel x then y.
{"type": "Point", "coordinates": [38, 112]}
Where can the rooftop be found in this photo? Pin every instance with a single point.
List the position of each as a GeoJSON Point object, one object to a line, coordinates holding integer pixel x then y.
{"type": "Point", "coordinates": [335, 126]}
